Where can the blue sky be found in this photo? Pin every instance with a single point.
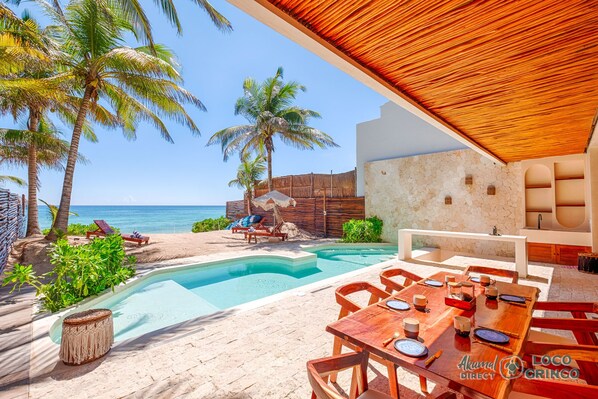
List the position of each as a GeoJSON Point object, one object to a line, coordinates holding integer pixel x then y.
{"type": "Point", "coordinates": [150, 171]}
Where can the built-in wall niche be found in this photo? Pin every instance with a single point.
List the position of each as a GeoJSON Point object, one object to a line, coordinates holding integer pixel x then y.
{"type": "Point", "coordinates": [555, 188]}
{"type": "Point", "coordinates": [538, 196]}
{"type": "Point", "coordinates": [569, 193]}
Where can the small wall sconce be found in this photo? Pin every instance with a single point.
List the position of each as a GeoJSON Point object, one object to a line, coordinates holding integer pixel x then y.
{"type": "Point", "coordinates": [468, 180]}
{"type": "Point", "coordinates": [491, 190]}
{"type": "Point", "coordinates": [448, 200]}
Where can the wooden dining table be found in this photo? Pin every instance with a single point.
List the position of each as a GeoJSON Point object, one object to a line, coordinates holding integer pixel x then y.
{"type": "Point", "coordinates": [465, 366]}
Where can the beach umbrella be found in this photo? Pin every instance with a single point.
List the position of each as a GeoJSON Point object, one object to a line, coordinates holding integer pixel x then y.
{"type": "Point", "coordinates": [273, 200]}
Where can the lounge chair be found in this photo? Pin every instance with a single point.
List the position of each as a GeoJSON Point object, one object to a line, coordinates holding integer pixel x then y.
{"type": "Point", "coordinates": [104, 229]}
{"type": "Point", "coordinates": [254, 221]}
{"type": "Point", "coordinates": [272, 232]}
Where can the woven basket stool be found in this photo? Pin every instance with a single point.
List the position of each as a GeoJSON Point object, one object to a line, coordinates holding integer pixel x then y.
{"type": "Point", "coordinates": [86, 336]}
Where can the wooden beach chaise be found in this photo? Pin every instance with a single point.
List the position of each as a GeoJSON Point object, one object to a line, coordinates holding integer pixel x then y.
{"type": "Point", "coordinates": [257, 225]}
{"type": "Point", "coordinates": [104, 229]}
{"type": "Point", "coordinates": [272, 232]}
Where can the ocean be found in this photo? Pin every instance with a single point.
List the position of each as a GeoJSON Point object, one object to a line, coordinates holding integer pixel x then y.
{"type": "Point", "coordinates": [145, 219]}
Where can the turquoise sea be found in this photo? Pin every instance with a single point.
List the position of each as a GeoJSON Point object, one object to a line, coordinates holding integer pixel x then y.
{"type": "Point", "coordinates": [145, 219]}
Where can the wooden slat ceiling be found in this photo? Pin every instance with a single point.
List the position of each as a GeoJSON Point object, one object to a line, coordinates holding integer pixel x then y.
{"type": "Point", "coordinates": [518, 78]}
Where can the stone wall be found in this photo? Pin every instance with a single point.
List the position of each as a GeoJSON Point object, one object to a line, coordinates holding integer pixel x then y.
{"type": "Point", "coordinates": [410, 193]}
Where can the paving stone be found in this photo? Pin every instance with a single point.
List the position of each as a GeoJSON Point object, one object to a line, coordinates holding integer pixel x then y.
{"type": "Point", "coordinates": [261, 353]}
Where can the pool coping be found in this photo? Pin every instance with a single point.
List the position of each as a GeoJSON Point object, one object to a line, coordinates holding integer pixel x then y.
{"type": "Point", "coordinates": [295, 258]}
{"type": "Point", "coordinates": [42, 348]}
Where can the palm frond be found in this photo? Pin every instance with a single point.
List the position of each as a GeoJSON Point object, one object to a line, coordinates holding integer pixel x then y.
{"type": "Point", "coordinates": [12, 179]}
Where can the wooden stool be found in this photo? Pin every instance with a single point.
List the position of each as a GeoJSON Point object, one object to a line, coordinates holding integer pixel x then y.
{"type": "Point", "coordinates": [86, 336]}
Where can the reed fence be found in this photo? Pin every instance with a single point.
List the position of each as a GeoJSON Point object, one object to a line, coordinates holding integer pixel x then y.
{"type": "Point", "coordinates": [323, 216]}
{"type": "Point", "coordinates": [313, 185]}
{"type": "Point", "coordinates": [12, 222]}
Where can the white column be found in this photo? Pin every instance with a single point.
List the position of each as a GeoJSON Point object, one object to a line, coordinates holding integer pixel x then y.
{"type": "Point", "coordinates": [521, 257]}
{"type": "Point", "coordinates": [405, 244]}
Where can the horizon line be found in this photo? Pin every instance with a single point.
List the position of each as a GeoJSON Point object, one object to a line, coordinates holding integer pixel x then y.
{"type": "Point", "coordinates": [146, 205]}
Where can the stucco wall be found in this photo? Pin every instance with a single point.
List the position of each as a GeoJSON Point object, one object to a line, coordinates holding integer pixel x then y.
{"type": "Point", "coordinates": [397, 133]}
{"type": "Point", "coordinates": [410, 192]}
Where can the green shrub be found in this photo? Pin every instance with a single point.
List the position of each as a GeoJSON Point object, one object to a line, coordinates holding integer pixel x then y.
{"type": "Point", "coordinates": [210, 224]}
{"type": "Point", "coordinates": [79, 271]}
{"type": "Point", "coordinates": [358, 230]}
{"type": "Point", "coordinates": [79, 229]}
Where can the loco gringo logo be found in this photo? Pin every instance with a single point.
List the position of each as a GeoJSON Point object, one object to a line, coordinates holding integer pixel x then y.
{"type": "Point", "coordinates": [511, 367]}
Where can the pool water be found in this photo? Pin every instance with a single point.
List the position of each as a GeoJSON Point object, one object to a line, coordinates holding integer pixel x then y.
{"type": "Point", "coordinates": [170, 298]}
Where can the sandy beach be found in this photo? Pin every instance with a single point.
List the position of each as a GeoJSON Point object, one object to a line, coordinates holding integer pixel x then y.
{"type": "Point", "coordinates": [164, 247]}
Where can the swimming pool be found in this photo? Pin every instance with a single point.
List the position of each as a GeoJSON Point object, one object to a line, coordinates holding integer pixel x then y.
{"type": "Point", "coordinates": [168, 297]}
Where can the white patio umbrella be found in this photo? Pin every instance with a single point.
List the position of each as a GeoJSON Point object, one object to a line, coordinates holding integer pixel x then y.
{"type": "Point", "coordinates": [273, 200]}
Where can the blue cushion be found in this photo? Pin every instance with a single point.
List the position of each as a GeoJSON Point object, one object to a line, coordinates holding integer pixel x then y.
{"type": "Point", "coordinates": [245, 221]}
{"type": "Point", "coordinates": [255, 218]}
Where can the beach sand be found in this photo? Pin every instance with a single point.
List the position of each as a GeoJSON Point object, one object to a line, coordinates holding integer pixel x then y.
{"type": "Point", "coordinates": [167, 247]}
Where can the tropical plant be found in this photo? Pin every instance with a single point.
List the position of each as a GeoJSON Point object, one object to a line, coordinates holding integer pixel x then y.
{"type": "Point", "coordinates": [38, 147]}
{"type": "Point", "coordinates": [79, 271]}
{"type": "Point", "coordinates": [359, 230]}
{"type": "Point", "coordinates": [21, 44]}
{"type": "Point", "coordinates": [271, 113]}
{"type": "Point", "coordinates": [139, 83]}
{"type": "Point", "coordinates": [79, 229]}
{"type": "Point", "coordinates": [210, 224]}
{"type": "Point", "coordinates": [31, 87]}
{"type": "Point", "coordinates": [53, 211]}
{"type": "Point", "coordinates": [249, 173]}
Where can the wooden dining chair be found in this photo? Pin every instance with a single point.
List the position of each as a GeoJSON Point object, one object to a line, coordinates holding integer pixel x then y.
{"type": "Point", "coordinates": [392, 285]}
{"type": "Point", "coordinates": [512, 274]}
{"type": "Point", "coordinates": [318, 371]}
{"type": "Point", "coordinates": [348, 306]}
{"type": "Point", "coordinates": [583, 329]}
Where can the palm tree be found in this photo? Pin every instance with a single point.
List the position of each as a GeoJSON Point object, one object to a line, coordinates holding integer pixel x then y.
{"type": "Point", "coordinates": [20, 42]}
{"type": "Point", "coordinates": [134, 13]}
{"type": "Point", "coordinates": [248, 173]}
{"type": "Point", "coordinates": [270, 111]}
{"type": "Point", "coordinates": [28, 84]}
{"type": "Point", "coordinates": [138, 83]}
{"type": "Point", "coordinates": [37, 147]}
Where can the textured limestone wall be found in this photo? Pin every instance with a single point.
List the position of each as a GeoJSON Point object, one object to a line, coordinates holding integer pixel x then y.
{"type": "Point", "coordinates": [410, 193]}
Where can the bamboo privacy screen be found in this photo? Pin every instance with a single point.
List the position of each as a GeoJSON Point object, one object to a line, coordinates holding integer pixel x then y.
{"type": "Point", "coordinates": [12, 223]}
{"type": "Point", "coordinates": [309, 213]}
{"type": "Point", "coordinates": [313, 185]}
{"type": "Point", "coordinates": [324, 202]}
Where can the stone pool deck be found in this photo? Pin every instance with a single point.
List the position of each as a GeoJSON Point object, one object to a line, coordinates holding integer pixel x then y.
{"type": "Point", "coordinates": [253, 353]}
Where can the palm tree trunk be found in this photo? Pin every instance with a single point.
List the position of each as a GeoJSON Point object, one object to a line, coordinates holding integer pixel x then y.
{"type": "Point", "coordinates": [32, 209]}
{"type": "Point", "coordinates": [269, 158]}
{"type": "Point", "coordinates": [62, 217]}
{"type": "Point", "coordinates": [249, 203]}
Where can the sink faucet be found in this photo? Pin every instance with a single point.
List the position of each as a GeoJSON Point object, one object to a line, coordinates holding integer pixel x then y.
{"type": "Point", "coordinates": [539, 220]}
